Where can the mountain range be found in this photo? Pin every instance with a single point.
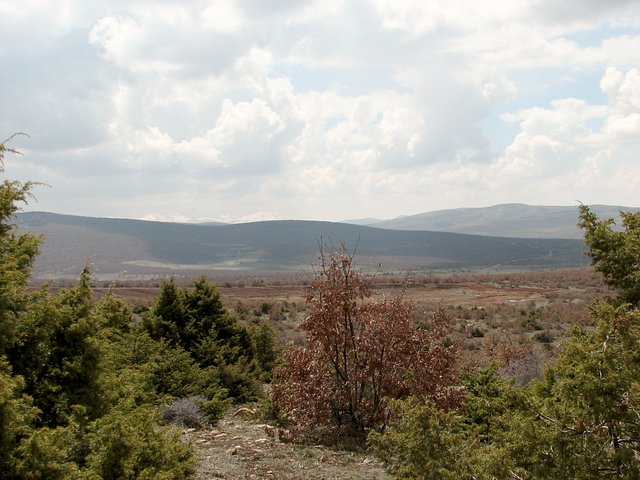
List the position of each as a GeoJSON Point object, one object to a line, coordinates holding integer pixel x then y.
{"type": "Point", "coordinates": [505, 220]}
{"type": "Point", "coordinates": [124, 248]}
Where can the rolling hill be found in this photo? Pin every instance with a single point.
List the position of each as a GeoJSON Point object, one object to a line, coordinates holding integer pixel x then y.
{"type": "Point", "coordinates": [505, 220]}
{"type": "Point", "coordinates": [120, 247]}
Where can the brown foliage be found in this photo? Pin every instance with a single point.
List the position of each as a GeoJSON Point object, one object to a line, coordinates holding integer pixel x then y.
{"type": "Point", "coordinates": [359, 353]}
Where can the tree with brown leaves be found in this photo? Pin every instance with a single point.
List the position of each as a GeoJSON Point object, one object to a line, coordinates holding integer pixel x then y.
{"type": "Point", "coordinates": [360, 353]}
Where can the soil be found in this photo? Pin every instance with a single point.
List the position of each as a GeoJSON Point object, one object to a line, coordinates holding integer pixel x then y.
{"type": "Point", "coordinates": [241, 448]}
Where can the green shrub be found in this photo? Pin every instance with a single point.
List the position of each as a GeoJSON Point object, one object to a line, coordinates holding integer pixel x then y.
{"type": "Point", "coordinates": [216, 406]}
{"type": "Point", "coordinates": [266, 352]}
{"type": "Point", "coordinates": [579, 421]}
{"type": "Point", "coordinates": [425, 444]}
{"type": "Point", "coordinates": [240, 380]}
{"type": "Point", "coordinates": [50, 453]}
{"type": "Point", "coordinates": [61, 333]}
{"type": "Point", "coordinates": [544, 337]}
{"type": "Point", "coordinates": [17, 415]}
{"type": "Point", "coordinates": [205, 349]}
{"type": "Point", "coordinates": [129, 443]}
{"type": "Point", "coordinates": [75, 382]}
{"type": "Point", "coordinates": [477, 333]}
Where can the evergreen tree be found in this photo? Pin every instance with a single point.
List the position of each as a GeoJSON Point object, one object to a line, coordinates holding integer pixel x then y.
{"type": "Point", "coordinates": [615, 253]}
{"type": "Point", "coordinates": [195, 320]}
{"type": "Point", "coordinates": [17, 416]}
{"type": "Point", "coordinates": [58, 355]}
{"type": "Point", "coordinates": [17, 254]}
{"type": "Point", "coordinates": [61, 416]}
{"type": "Point", "coordinates": [168, 318]}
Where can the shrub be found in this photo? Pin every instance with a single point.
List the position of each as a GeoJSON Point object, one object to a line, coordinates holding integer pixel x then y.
{"type": "Point", "coordinates": [185, 412]}
{"type": "Point", "coordinates": [49, 453]}
{"type": "Point", "coordinates": [216, 406]}
{"type": "Point", "coordinates": [265, 308]}
{"type": "Point", "coordinates": [544, 337]}
{"type": "Point", "coordinates": [128, 443]}
{"type": "Point", "coordinates": [477, 333]}
{"type": "Point", "coordinates": [16, 417]}
{"type": "Point", "coordinates": [424, 444]}
{"type": "Point", "coordinates": [579, 421]}
{"type": "Point", "coordinates": [60, 332]}
{"type": "Point", "coordinates": [359, 353]}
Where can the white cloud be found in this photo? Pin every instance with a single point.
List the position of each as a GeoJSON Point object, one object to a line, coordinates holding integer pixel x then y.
{"type": "Point", "coordinates": [563, 145]}
{"type": "Point", "coordinates": [117, 36]}
{"type": "Point", "coordinates": [244, 138]}
{"type": "Point", "coordinates": [211, 108]}
{"type": "Point", "coordinates": [498, 89]}
{"type": "Point", "coordinates": [222, 16]}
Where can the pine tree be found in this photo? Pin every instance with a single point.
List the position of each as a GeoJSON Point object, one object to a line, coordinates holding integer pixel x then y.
{"type": "Point", "coordinates": [17, 253]}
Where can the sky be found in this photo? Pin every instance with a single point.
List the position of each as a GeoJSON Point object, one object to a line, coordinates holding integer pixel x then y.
{"type": "Point", "coordinates": [319, 109]}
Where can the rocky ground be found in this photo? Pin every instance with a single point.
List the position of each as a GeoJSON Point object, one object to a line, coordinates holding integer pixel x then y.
{"type": "Point", "coordinates": [239, 447]}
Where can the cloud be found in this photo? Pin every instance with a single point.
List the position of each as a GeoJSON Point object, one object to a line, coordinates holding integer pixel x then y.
{"type": "Point", "coordinates": [585, 147]}
{"type": "Point", "coordinates": [222, 16]}
{"type": "Point", "coordinates": [205, 109]}
{"type": "Point", "coordinates": [244, 139]}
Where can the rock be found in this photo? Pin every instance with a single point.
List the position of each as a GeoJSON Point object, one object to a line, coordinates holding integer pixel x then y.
{"type": "Point", "coordinates": [234, 450]}
{"type": "Point", "coordinates": [244, 412]}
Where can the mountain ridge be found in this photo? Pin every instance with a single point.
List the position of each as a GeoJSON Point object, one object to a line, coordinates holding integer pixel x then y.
{"type": "Point", "coordinates": [517, 220]}
{"type": "Point", "coordinates": [117, 247]}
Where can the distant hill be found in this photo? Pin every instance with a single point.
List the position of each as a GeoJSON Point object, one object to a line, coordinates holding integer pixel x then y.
{"type": "Point", "coordinates": [121, 248]}
{"type": "Point", "coordinates": [211, 223]}
{"type": "Point", "coordinates": [506, 220]}
{"type": "Point", "coordinates": [363, 221]}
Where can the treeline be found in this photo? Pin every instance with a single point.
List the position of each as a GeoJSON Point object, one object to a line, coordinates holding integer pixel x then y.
{"type": "Point", "coordinates": [88, 389]}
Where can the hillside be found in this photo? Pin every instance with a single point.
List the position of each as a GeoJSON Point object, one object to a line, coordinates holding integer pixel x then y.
{"type": "Point", "coordinates": [134, 247]}
{"type": "Point", "coordinates": [506, 220]}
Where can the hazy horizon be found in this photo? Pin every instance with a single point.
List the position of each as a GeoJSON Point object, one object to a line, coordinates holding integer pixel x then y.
{"type": "Point", "coordinates": [373, 220]}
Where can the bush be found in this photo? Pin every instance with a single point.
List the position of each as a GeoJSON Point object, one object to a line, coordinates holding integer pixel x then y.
{"type": "Point", "coordinates": [424, 444]}
{"type": "Point", "coordinates": [544, 337]}
{"type": "Point", "coordinates": [205, 349]}
{"type": "Point", "coordinates": [50, 453]}
{"type": "Point", "coordinates": [17, 415]}
{"type": "Point", "coordinates": [241, 381]}
{"type": "Point", "coordinates": [128, 443]}
{"type": "Point", "coordinates": [185, 412]}
{"type": "Point", "coordinates": [360, 353]}
{"type": "Point", "coordinates": [477, 333]}
{"type": "Point", "coordinates": [215, 408]}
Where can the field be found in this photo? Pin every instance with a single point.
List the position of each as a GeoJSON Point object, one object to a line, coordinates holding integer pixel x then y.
{"type": "Point", "coordinates": [515, 318]}
{"type": "Point", "coordinates": [498, 304]}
